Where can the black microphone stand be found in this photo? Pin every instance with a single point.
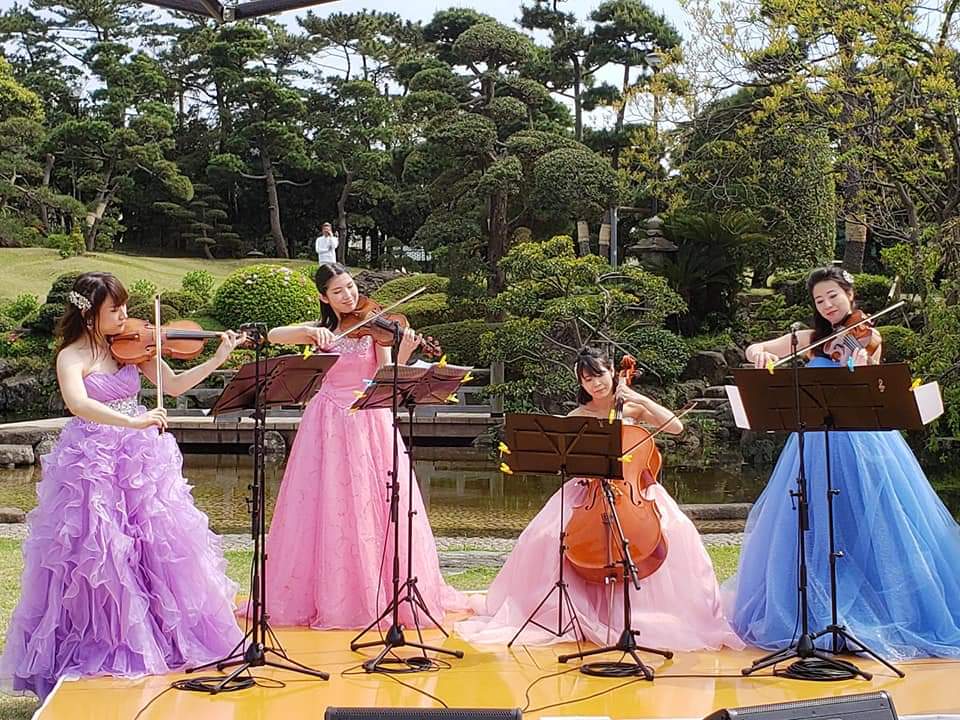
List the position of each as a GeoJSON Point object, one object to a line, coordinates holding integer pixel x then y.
{"type": "Point", "coordinates": [627, 642]}
{"type": "Point", "coordinates": [811, 659]}
{"type": "Point", "coordinates": [394, 637]}
{"type": "Point", "coordinates": [253, 649]}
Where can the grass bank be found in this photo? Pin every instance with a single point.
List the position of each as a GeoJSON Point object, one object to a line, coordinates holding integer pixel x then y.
{"type": "Point", "coordinates": [32, 270]}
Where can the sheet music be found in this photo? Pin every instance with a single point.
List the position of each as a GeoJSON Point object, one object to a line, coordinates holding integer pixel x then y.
{"type": "Point", "coordinates": [420, 368]}
{"type": "Point", "coordinates": [929, 401]}
{"type": "Point", "coordinates": [736, 404]}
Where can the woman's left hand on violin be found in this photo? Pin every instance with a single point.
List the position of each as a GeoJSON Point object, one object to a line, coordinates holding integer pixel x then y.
{"type": "Point", "coordinates": [228, 343]}
{"type": "Point", "coordinates": [409, 342]}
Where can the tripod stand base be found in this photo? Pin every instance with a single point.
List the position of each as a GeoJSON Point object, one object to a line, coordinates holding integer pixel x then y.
{"type": "Point", "coordinates": [562, 629]}
{"type": "Point", "coordinates": [855, 646]}
{"type": "Point", "coordinates": [627, 644]}
{"type": "Point", "coordinates": [395, 639]}
{"type": "Point", "coordinates": [813, 663]}
{"type": "Point", "coordinates": [255, 655]}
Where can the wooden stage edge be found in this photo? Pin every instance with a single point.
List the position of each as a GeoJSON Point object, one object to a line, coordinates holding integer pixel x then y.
{"type": "Point", "coordinates": [691, 685]}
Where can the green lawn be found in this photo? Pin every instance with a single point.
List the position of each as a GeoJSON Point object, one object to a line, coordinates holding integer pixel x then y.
{"type": "Point", "coordinates": [32, 270]}
{"type": "Point", "coordinates": [238, 567]}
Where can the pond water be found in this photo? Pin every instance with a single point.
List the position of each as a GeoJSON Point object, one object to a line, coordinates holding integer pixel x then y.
{"type": "Point", "coordinates": [465, 494]}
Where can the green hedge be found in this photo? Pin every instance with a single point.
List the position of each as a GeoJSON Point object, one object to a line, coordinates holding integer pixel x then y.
{"type": "Point", "coordinates": [61, 286]}
{"type": "Point", "coordinates": [792, 286]}
{"type": "Point", "coordinates": [19, 308]}
{"type": "Point", "coordinates": [899, 343]}
{"type": "Point", "coordinates": [185, 302]}
{"type": "Point", "coordinates": [871, 291]}
{"type": "Point", "coordinates": [393, 290]}
{"type": "Point", "coordinates": [427, 309]}
{"type": "Point", "coordinates": [460, 340]}
{"type": "Point", "coordinates": [661, 349]}
{"type": "Point", "coordinates": [19, 345]}
{"type": "Point", "coordinates": [144, 311]}
{"type": "Point", "coordinates": [270, 294]}
{"type": "Point", "coordinates": [44, 319]}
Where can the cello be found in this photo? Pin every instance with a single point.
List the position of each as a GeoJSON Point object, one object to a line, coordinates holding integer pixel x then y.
{"type": "Point", "coordinates": [590, 533]}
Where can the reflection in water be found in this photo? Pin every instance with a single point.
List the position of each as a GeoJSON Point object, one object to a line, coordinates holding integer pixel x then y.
{"type": "Point", "coordinates": [465, 494]}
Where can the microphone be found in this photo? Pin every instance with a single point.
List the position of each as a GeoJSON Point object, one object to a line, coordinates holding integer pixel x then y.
{"type": "Point", "coordinates": [797, 327]}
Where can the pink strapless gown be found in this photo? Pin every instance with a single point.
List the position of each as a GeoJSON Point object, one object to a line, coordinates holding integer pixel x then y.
{"type": "Point", "coordinates": [329, 556]}
{"type": "Point", "coordinates": [676, 608]}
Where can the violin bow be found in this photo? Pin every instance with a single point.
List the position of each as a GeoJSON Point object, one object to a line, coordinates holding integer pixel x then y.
{"type": "Point", "coordinates": [158, 340]}
{"type": "Point", "coordinates": [838, 333]}
{"type": "Point", "coordinates": [622, 349]}
{"type": "Point", "coordinates": [676, 416]}
{"type": "Point", "coordinates": [387, 309]}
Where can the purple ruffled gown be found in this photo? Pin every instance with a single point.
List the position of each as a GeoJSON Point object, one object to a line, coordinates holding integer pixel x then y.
{"type": "Point", "coordinates": [122, 575]}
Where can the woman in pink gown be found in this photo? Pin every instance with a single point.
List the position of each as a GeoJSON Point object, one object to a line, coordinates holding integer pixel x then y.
{"type": "Point", "coordinates": [329, 562]}
{"type": "Point", "coordinates": [677, 607]}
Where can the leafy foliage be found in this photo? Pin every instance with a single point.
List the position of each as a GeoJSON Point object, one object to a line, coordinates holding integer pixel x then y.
{"type": "Point", "coordinates": [393, 290]}
{"type": "Point", "coordinates": [551, 302]}
{"type": "Point", "coordinates": [19, 308]}
{"type": "Point", "coordinates": [270, 294]}
{"type": "Point", "coordinates": [707, 269]}
{"type": "Point", "coordinates": [461, 340]}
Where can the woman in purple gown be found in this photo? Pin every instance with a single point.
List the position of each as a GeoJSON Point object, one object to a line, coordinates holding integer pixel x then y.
{"type": "Point", "coordinates": [122, 575]}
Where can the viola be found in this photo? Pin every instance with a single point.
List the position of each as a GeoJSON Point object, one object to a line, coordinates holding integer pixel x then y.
{"type": "Point", "coordinates": [592, 539]}
{"type": "Point", "coordinates": [179, 340]}
{"type": "Point", "coordinates": [859, 337]}
{"type": "Point", "coordinates": [367, 319]}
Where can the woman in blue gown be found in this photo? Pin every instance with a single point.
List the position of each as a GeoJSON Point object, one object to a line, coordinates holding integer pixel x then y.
{"type": "Point", "coordinates": [898, 580]}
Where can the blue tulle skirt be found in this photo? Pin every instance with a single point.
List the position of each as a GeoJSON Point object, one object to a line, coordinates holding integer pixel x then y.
{"type": "Point", "coordinates": [899, 577]}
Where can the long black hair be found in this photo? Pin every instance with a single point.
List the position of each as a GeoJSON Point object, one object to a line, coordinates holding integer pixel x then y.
{"type": "Point", "coordinates": [591, 362]}
{"type": "Point", "coordinates": [325, 273]}
{"type": "Point", "coordinates": [76, 322]}
{"type": "Point", "coordinates": [821, 326]}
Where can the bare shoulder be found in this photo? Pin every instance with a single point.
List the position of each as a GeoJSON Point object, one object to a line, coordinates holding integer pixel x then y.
{"type": "Point", "coordinates": [71, 356]}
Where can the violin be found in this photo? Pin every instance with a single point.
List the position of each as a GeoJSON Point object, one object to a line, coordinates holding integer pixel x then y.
{"type": "Point", "coordinates": [591, 536]}
{"type": "Point", "coordinates": [179, 340]}
{"type": "Point", "coordinates": [368, 319]}
{"type": "Point", "coordinates": [860, 337]}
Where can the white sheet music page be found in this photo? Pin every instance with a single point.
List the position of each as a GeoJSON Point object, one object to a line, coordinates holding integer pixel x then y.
{"type": "Point", "coordinates": [929, 401]}
{"type": "Point", "coordinates": [736, 404]}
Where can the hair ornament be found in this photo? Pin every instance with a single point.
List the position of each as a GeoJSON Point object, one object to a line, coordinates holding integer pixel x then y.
{"type": "Point", "coordinates": [79, 301]}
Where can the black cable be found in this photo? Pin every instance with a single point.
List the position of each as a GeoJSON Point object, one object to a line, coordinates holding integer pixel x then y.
{"type": "Point", "coordinates": [212, 684]}
{"type": "Point", "coordinates": [612, 669]}
{"type": "Point", "coordinates": [152, 700]}
{"type": "Point", "coordinates": [526, 693]}
{"type": "Point", "coordinates": [415, 664]}
{"type": "Point", "coordinates": [199, 684]}
{"type": "Point", "coordinates": [581, 699]}
{"type": "Point", "coordinates": [816, 669]}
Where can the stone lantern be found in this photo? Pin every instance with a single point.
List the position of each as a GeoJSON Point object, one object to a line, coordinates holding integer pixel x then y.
{"type": "Point", "coordinates": [651, 251]}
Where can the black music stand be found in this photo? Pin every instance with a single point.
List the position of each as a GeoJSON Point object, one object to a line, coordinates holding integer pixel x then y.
{"type": "Point", "coordinates": [577, 446]}
{"type": "Point", "coordinates": [284, 380]}
{"type": "Point", "coordinates": [414, 384]}
{"type": "Point", "coordinates": [871, 398]}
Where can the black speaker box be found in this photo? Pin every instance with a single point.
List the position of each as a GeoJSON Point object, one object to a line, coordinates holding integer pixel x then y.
{"type": "Point", "coordinates": [379, 713]}
{"type": "Point", "coordinates": [866, 706]}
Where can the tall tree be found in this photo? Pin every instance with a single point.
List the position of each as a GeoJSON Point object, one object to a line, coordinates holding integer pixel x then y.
{"type": "Point", "coordinates": [882, 79]}
{"type": "Point", "coordinates": [487, 165]}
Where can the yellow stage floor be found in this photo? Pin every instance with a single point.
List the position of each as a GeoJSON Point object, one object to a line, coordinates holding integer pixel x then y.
{"type": "Point", "coordinates": [691, 685]}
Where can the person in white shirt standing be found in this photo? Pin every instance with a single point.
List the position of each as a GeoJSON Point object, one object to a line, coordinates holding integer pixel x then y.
{"type": "Point", "coordinates": [326, 245]}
